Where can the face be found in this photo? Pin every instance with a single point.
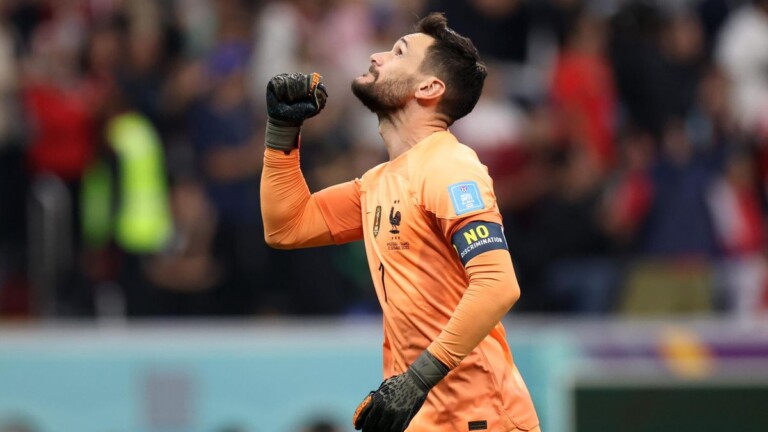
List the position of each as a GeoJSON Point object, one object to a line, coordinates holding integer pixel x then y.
{"type": "Point", "coordinates": [393, 75]}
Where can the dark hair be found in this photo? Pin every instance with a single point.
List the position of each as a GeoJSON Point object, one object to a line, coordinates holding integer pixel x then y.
{"type": "Point", "coordinates": [454, 59]}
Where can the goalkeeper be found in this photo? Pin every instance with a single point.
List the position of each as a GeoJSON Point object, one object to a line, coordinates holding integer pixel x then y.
{"type": "Point", "coordinates": [432, 230]}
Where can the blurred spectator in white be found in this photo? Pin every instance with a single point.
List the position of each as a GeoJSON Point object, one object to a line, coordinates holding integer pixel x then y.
{"type": "Point", "coordinates": [742, 53]}
{"type": "Point", "coordinates": [283, 38]}
{"type": "Point", "coordinates": [734, 203]}
{"type": "Point", "coordinates": [198, 25]}
{"type": "Point", "coordinates": [583, 92]}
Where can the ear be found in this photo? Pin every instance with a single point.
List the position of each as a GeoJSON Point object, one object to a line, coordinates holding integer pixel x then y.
{"type": "Point", "coordinates": [430, 89]}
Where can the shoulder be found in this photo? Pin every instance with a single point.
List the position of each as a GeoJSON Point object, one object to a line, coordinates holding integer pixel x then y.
{"type": "Point", "coordinates": [449, 179]}
{"type": "Point", "coordinates": [442, 157]}
{"type": "Point", "coordinates": [372, 174]}
{"type": "Point", "coordinates": [445, 161]}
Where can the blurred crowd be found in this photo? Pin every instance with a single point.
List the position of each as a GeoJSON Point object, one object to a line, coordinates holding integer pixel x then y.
{"type": "Point", "coordinates": [627, 140]}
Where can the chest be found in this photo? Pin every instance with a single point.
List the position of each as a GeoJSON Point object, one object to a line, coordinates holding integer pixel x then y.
{"type": "Point", "coordinates": [394, 221]}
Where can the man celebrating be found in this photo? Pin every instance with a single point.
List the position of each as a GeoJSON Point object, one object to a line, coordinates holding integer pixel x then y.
{"type": "Point", "coordinates": [440, 264]}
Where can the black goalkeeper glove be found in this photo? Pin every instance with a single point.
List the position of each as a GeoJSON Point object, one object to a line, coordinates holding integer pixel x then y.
{"type": "Point", "coordinates": [392, 407]}
{"type": "Point", "coordinates": [291, 99]}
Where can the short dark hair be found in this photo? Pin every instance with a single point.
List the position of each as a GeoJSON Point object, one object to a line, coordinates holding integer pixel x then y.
{"type": "Point", "coordinates": [454, 59]}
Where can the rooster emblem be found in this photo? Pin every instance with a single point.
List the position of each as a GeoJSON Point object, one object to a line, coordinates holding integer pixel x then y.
{"type": "Point", "coordinates": [394, 219]}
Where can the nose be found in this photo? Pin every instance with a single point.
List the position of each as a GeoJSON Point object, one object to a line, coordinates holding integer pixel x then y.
{"type": "Point", "coordinates": [377, 58]}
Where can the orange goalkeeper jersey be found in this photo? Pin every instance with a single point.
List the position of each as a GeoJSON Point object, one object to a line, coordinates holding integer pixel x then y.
{"type": "Point", "coordinates": [409, 210]}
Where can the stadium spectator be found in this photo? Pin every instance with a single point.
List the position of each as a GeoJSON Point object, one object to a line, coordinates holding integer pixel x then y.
{"type": "Point", "coordinates": [667, 100]}
{"type": "Point", "coordinates": [225, 142]}
{"type": "Point", "coordinates": [679, 223]}
{"type": "Point", "coordinates": [495, 128]}
{"type": "Point", "coordinates": [629, 195]}
{"type": "Point", "coordinates": [583, 93]}
{"type": "Point", "coordinates": [740, 52]}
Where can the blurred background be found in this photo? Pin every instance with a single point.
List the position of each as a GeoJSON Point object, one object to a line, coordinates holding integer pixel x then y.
{"type": "Point", "coordinates": [628, 143]}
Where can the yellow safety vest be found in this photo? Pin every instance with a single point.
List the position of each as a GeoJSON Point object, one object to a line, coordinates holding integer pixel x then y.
{"type": "Point", "coordinates": [143, 221]}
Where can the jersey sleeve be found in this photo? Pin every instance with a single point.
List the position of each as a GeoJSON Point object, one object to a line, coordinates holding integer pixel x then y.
{"type": "Point", "coordinates": [340, 206]}
{"type": "Point", "coordinates": [458, 190]}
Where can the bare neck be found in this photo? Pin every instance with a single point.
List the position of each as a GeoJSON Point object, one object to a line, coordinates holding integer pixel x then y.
{"type": "Point", "coordinates": [406, 128]}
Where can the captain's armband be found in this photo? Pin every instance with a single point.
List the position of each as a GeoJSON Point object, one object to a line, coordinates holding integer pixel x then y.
{"type": "Point", "coordinates": [475, 238]}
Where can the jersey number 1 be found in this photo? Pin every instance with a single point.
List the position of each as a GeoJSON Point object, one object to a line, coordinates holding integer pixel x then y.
{"type": "Point", "coordinates": [383, 285]}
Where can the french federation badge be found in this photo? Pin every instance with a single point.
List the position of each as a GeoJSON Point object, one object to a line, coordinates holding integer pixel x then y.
{"type": "Point", "coordinates": [465, 197]}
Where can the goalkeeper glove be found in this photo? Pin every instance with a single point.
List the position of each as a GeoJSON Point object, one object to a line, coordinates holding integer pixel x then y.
{"type": "Point", "coordinates": [291, 99]}
{"type": "Point", "coordinates": [399, 398]}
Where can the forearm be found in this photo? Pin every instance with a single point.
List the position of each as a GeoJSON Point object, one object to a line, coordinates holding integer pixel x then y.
{"type": "Point", "coordinates": [492, 291]}
{"type": "Point", "coordinates": [292, 217]}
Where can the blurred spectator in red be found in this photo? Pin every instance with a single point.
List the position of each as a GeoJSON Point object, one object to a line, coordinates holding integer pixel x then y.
{"type": "Point", "coordinates": [56, 104]}
{"type": "Point", "coordinates": [630, 194]}
{"type": "Point", "coordinates": [735, 205]}
{"type": "Point", "coordinates": [62, 131]}
{"type": "Point", "coordinates": [583, 92]}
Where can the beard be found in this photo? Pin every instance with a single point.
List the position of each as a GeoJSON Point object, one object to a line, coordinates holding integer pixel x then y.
{"type": "Point", "coordinates": [383, 97]}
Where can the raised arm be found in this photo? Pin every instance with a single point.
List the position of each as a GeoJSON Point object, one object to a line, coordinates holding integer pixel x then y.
{"type": "Point", "coordinates": [293, 217]}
